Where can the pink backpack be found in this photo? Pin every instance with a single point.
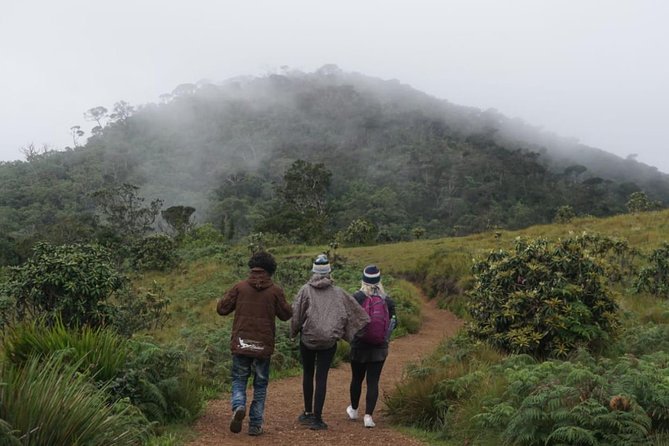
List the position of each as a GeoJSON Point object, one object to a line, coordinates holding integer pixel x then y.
{"type": "Point", "coordinates": [375, 332]}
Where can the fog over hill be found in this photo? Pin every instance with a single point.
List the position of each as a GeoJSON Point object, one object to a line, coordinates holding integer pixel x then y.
{"type": "Point", "coordinates": [367, 155]}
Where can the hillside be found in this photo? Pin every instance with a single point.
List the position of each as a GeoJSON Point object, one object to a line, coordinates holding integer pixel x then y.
{"type": "Point", "coordinates": [398, 158]}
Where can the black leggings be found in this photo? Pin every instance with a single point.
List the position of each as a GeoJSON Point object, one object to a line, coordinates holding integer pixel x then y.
{"type": "Point", "coordinates": [318, 361]}
{"type": "Point", "coordinates": [373, 372]}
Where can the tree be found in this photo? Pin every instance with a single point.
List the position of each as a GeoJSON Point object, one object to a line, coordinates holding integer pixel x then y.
{"type": "Point", "coordinates": [124, 211]}
{"type": "Point", "coordinates": [178, 217]}
{"type": "Point", "coordinates": [305, 187]}
{"type": "Point", "coordinates": [76, 133]}
{"type": "Point", "coordinates": [302, 210]}
{"type": "Point", "coordinates": [96, 114]}
{"type": "Point", "coordinates": [122, 111]}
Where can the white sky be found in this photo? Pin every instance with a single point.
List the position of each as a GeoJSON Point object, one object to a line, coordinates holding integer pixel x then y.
{"type": "Point", "coordinates": [594, 70]}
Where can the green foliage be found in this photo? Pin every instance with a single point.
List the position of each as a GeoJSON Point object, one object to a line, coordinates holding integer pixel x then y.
{"type": "Point", "coordinates": [178, 218]}
{"type": "Point", "coordinates": [48, 403]}
{"type": "Point", "coordinates": [639, 202]}
{"type": "Point", "coordinates": [474, 397]}
{"type": "Point", "coordinates": [139, 309]}
{"type": "Point", "coordinates": [564, 214]}
{"type": "Point", "coordinates": [541, 299]}
{"type": "Point", "coordinates": [654, 278]}
{"type": "Point", "coordinates": [124, 211]}
{"type": "Point", "coordinates": [156, 252]}
{"type": "Point", "coordinates": [359, 232]}
{"type": "Point", "coordinates": [418, 232]}
{"type": "Point", "coordinates": [72, 282]}
{"type": "Point", "coordinates": [155, 379]}
{"type": "Point", "coordinates": [96, 352]}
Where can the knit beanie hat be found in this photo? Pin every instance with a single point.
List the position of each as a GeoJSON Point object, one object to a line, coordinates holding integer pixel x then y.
{"type": "Point", "coordinates": [321, 265]}
{"type": "Point", "coordinates": [371, 275]}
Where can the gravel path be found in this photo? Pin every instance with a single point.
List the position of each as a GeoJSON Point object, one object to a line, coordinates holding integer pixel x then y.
{"type": "Point", "coordinates": [284, 400]}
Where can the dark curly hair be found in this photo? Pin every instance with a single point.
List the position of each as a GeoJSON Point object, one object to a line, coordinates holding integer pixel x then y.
{"type": "Point", "coordinates": [263, 260]}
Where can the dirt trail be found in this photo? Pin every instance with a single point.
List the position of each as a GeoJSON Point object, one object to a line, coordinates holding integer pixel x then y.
{"type": "Point", "coordinates": [284, 400]}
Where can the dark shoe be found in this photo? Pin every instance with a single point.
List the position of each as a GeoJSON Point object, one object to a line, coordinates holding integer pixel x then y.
{"type": "Point", "coordinates": [306, 418]}
{"type": "Point", "coordinates": [318, 425]}
{"type": "Point", "coordinates": [254, 431]}
{"type": "Point", "coordinates": [237, 418]}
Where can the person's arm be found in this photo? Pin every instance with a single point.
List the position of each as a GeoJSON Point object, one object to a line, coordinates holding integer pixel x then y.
{"type": "Point", "coordinates": [300, 305]}
{"type": "Point", "coordinates": [228, 303]}
{"type": "Point", "coordinates": [391, 307]}
{"type": "Point", "coordinates": [282, 309]}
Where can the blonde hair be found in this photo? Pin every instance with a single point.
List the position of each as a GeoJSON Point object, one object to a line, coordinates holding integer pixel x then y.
{"type": "Point", "coordinates": [373, 289]}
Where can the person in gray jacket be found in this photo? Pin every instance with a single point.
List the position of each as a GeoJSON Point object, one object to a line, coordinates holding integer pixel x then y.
{"type": "Point", "coordinates": [322, 315]}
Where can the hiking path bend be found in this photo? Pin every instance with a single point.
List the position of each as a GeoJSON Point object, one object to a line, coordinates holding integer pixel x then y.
{"type": "Point", "coordinates": [284, 399]}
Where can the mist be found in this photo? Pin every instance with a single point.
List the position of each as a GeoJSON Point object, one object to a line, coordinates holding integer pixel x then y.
{"type": "Point", "coordinates": [594, 72]}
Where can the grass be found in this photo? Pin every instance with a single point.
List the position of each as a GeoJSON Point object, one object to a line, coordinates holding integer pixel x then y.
{"type": "Point", "coordinates": [195, 286]}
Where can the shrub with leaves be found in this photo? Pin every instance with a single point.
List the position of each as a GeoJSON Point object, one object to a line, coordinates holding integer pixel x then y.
{"type": "Point", "coordinates": [654, 278]}
{"type": "Point", "coordinates": [156, 252]}
{"type": "Point", "coordinates": [359, 232]}
{"type": "Point", "coordinates": [73, 282]}
{"type": "Point", "coordinates": [139, 309]}
{"type": "Point", "coordinates": [639, 202]}
{"type": "Point", "coordinates": [542, 299]}
{"type": "Point", "coordinates": [564, 214]}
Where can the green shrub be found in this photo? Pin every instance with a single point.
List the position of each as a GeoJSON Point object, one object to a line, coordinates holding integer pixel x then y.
{"type": "Point", "coordinates": [138, 309]}
{"type": "Point", "coordinates": [542, 299]}
{"type": "Point", "coordinates": [156, 380]}
{"type": "Point", "coordinates": [654, 278]}
{"type": "Point", "coordinates": [48, 403]}
{"type": "Point", "coordinates": [72, 282]}
{"type": "Point", "coordinates": [564, 214]}
{"type": "Point", "coordinates": [156, 252]}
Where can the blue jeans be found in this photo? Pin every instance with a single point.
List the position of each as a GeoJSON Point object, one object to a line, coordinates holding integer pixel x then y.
{"type": "Point", "coordinates": [242, 368]}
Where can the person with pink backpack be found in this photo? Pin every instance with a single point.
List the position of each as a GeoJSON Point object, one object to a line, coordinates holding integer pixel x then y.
{"type": "Point", "coordinates": [369, 348]}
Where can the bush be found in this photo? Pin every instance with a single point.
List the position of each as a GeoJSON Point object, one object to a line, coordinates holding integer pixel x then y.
{"type": "Point", "coordinates": [564, 214]}
{"type": "Point", "coordinates": [154, 253]}
{"type": "Point", "coordinates": [135, 310]}
{"type": "Point", "coordinates": [541, 299]}
{"type": "Point", "coordinates": [71, 282]}
{"type": "Point", "coordinates": [156, 380]}
{"type": "Point", "coordinates": [654, 278]}
{"type": "Point", "coordinates": [48, 403]}
{"type": "Point", "coordinates": [359, 232]}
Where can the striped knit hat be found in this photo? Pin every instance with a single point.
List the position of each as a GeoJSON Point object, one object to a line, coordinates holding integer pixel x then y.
{"type": "Point", "coordinates": [371, 275]}
{"type": "Point", "coordinates": [321, 265]}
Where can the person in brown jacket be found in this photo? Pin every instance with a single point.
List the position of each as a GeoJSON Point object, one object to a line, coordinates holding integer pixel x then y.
{"type": "Point", "coordinates": [256, 301]}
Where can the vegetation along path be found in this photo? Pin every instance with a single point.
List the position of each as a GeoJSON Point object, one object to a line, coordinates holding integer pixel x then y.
{"type": "Point", "coordinates": [284, 399]}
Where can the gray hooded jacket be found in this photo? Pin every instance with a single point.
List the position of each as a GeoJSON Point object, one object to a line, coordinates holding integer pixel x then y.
{"type": "Point", "coordinates": [324, 313]}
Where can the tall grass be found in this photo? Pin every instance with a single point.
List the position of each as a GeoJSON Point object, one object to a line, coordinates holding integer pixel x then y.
{"type": "Point", "coordinates": [49, 403]}
{"type": "Point", "coordinates": [100, 353]}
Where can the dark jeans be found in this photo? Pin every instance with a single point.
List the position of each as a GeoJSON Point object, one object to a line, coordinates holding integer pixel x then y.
{"type": "Point", "coordinates": [317, 361]}
{"type": "Point", "coordinates": [373, 372]}
{"type": "Point", "coordinates": [242, 368]}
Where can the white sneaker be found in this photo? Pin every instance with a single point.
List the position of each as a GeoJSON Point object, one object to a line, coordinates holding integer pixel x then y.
{"type": "Point", "coordinates": [352, 413]}
{"type": "Point", "coordinates": [368, 421]}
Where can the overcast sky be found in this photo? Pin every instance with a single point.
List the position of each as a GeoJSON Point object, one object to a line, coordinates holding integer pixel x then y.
{"type": "Point", "coordinates": [597, 71]}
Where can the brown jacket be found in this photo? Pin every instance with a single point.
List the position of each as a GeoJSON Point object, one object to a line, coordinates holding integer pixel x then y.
{"type": "Point", "coordinates": [256, 301]}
